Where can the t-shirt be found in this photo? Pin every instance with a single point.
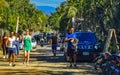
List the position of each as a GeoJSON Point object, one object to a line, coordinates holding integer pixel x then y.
{"type": "Point", "coordinates": [54, 39]}
{"type": "Point", "coordinates": [11, 42]}
{"type": "Point", "coordinates": [69, 35]}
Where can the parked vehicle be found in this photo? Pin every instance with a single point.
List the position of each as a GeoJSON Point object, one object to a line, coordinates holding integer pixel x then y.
{"type": "Point", "coordinates": [88, 47]}
{"type": "Point", "coordinates": [113, 67]}
{"type": "Point", "coordinates": [101, 61]}
{"type": "Point", "coordinates": [109, 64]}
{"type": "Point", "coordinates": [34, 43]}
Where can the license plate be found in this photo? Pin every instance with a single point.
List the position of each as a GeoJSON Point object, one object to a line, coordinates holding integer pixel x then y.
{"type": "Point", "coordinates": [85, 53]}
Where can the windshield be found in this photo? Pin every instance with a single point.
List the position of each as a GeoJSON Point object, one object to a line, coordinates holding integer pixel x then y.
{"type": "Point", "coordinates": [86, 36]}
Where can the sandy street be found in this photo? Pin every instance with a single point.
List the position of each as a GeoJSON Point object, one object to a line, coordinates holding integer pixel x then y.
{"type": "Point", "coordinates": [42, 62]}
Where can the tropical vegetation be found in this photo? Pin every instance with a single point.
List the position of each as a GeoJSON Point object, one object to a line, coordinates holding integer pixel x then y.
{"type": "Point", "coordinates": [29, 16]}
{"type": "Point", "coordinates": [96, 15]}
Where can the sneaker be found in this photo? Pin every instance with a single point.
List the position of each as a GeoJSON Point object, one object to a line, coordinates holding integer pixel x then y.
{"type": "Point", "coordinates": [54, 54]}
{"type": "Point", "coordinates": [75, 65]}
{"type": "Point", "coordinates": [13, 65]}
{"type": "Point", "coordinates": [24, 62]}
{"type": "Point", "coordinates": [27, 64]}
{"type": "Point", "coordinates": [10, 64]}
{"type": "Point", "coordinates": [3, 56]}
{"type": "Point", "coordinates": [70, 65]}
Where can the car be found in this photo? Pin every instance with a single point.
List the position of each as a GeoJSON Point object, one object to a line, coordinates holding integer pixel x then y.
{"type": "Point", "coordinates": [88, 47]}
{"type": "Point", "coordinates": [34, 43]}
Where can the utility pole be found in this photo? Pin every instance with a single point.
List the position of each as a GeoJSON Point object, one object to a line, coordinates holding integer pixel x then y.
{"type": "Point", "coordinates": [17, 24]}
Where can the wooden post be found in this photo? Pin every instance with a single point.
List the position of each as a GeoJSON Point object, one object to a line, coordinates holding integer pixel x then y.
{"type": "Point", "coordinates": [111, 36]}
{"type": "Point", "coordinates": [108, 40]}
{"type": "Point", "coordinates": [17, 24]}
{"type": "Point", "coordinates": [115, 41]}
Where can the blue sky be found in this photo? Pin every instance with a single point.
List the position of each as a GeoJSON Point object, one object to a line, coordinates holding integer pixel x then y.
{"type": "Point", "coordinates": [51, 3]}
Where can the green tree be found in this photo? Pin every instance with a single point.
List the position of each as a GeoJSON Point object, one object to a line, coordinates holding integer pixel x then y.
{"type": "Point", "coordinates": [29, 16]}
{"type": "Point", "coordinates": [3, 3]}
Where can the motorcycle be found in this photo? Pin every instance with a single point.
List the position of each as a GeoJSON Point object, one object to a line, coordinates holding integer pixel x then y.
{"type": "Point", "coordinates": [109, 64]}
{"type": "Point", "coordinates": [100, 61]}
{"type": "Point", "coordinates": [114, 67]}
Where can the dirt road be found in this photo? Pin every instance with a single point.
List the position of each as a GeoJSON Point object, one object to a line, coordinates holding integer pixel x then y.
{"type": "Point", "coordinates": [42, 62]}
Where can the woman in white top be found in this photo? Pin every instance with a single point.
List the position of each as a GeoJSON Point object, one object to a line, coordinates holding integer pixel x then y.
{"type": "Point", "coordinates": [11, 49]}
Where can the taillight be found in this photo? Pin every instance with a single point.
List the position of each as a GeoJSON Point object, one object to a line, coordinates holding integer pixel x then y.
{"type": "Point", "coordinates": [106, 55]}
{"type": "Point", "coordinates": [118, 59]}
{"type": "Point", "coordinates": [94, 55]}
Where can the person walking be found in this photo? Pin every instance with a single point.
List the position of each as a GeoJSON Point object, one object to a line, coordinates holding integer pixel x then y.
{"type": "Point", "coordinates": [27, 47]}
{"type": "Point", "coordinates": [54, 43]}
{"type": "Point", "coordinates": [17, 43]}
{"type": "Point", "coordinates": [42, 41]}
{"type": "Point", "coordinates": [11, 45]}
{"type": "Point", "coordinates": [4, 44]}
{"type": "Point", "coordinates": [71, 48]}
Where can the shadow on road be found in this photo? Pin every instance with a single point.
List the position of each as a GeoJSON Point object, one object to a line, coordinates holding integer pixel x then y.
{"type": "Point", "coordinates": [46, 55]}
{"type": "Point", "coordinates": [44, 63]}
{"type": "Point", "coordinates": [41, 72]}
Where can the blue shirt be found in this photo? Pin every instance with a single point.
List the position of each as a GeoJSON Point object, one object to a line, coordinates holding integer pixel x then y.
{"type": "Point", "coordinates": [69, 35]}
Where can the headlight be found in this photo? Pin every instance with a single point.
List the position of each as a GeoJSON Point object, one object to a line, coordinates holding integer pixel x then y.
{"type": "Point", "coordinates": [96, 47]}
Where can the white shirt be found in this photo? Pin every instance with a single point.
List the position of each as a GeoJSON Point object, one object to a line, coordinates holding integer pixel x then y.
{"type": "Point", "coordinates": [11, 42]}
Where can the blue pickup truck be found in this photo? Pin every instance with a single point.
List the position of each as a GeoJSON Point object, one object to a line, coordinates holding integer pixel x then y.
{"type": "Point", "coordinates": [88, 47]}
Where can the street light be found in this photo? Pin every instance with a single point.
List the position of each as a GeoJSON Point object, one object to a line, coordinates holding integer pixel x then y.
{"type": "Point", "coordinates": [73, 21]}
{"type": "Point", "coordinates": [79, 21]}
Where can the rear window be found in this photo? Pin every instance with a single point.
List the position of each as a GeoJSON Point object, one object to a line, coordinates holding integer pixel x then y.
{"type": "Point", "coordinates": [86, 36]}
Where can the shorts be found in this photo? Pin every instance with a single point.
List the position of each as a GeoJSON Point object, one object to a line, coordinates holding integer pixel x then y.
{"type": "Point", "coordinates": [71, 52]}
{"type": "Point", "coordinates": [12, 50]}
{"type": "Point", "coordinates": [54, 47]}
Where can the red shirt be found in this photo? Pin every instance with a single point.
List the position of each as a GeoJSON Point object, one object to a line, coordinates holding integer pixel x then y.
{"type": "Point", "coordinates": [4, 39]}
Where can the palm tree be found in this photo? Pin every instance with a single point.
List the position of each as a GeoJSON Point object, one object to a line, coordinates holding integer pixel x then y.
{"type": "Point", "coordinates": [71, 14]}
{"type": "Point", "coordinates": [4, 3]}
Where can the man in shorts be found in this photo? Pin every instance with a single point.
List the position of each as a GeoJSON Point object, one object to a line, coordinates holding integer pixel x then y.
{"type": "Point", "coordinates": [54, 43]}
{"type": "Point", "coordinates": [71, 49]}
